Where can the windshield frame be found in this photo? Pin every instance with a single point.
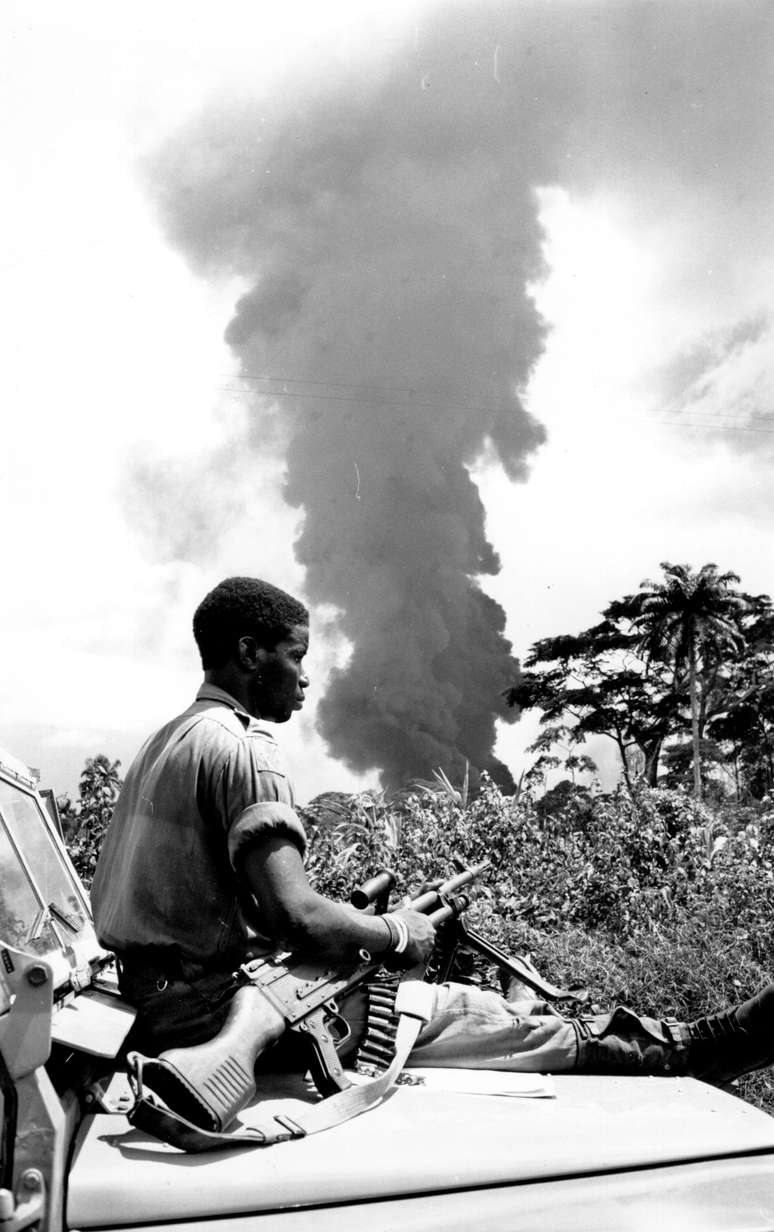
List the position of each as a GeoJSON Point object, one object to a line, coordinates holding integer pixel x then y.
{"type": "Point", "coordinates": [77, 950]}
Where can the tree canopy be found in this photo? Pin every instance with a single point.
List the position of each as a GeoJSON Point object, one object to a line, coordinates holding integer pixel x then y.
{"type": "Point", "coordinates": [85, 821]}
{"type": "Point", "coordinates": [686, 655]}
{"type": "Point", "coordinates": [693, 622]}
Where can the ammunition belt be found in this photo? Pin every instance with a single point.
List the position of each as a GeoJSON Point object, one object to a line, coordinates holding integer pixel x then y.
{"type": "Point", "coordinates": [377, 1046]}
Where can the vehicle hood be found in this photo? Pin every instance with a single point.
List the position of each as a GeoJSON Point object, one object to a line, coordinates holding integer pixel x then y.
{"type": "Point", "coordinates": [421, 1140]}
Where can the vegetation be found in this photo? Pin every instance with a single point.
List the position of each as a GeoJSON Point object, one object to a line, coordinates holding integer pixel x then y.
{"type": "Point", "coordinates": [681, 672]}
{"type": "Point", "coordinates": [85, 821]}
{"type": "Point", "coordinates": [648, 899]}
{"type": "Point", "coordinates": [691, 622]}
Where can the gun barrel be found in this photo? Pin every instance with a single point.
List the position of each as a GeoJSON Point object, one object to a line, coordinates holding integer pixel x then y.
{"type": "Point", "coordinates": [453, 907]}
{"type": "Point", "coordinates": [432, 900]}
{"type": "Point", "coordinates": [463, 878]}
{"type": "Point", "coordinates": [376, 888]}
{"type": "Point", "coordinates": [425, 902]}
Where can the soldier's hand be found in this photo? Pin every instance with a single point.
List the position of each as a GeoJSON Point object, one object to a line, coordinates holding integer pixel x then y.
{"type": "Point", "coordinates": [421, 934]}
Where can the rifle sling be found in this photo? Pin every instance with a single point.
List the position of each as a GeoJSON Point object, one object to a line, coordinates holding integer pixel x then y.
{"type": "Point", "coordinates": [414, 1005]}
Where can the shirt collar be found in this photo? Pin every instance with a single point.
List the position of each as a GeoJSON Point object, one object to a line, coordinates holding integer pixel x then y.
{"type": "Point", "coordinates": [212, 693]}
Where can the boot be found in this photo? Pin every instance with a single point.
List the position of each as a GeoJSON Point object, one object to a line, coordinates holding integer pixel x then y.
{"type": "Point", "coordinates": [725, 1046]}
{"type": "Point", "coordinates": [717, 1048]}
{"type": "Point", "coordinates": [626, 1043]}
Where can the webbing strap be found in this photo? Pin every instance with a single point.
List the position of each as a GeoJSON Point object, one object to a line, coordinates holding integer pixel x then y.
{"type": "Point", "coordinates": [414, 1004]}
{"type": "Point", "coordinates": [166, 1125]}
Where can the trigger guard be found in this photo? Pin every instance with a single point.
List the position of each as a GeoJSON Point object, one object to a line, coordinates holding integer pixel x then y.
{"type": "Point", "coordinates": [338, 1027]}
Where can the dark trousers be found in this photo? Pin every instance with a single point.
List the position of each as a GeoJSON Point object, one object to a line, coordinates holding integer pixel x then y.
{"type": "Point", "coordinates": [174, 1010]}
{"type": "Point", "coordinates": [179, 1010]}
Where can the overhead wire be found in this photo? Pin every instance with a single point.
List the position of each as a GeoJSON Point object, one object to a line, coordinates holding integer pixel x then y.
{"type": "Point", "coordinates": [437, 401]}
{"type": "Point", "coordinates": [371, 394]}
{"type": "Point", "coordinates": [409, 389]}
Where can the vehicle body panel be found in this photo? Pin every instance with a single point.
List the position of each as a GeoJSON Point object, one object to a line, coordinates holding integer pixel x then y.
{"type": "Point", "coordinates": [419, 1141]}
{"type": "Point", "coordinates": [728, 1195]}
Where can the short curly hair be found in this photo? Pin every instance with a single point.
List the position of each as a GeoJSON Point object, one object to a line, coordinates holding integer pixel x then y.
{"type": "Point", "coordinates": [239, 606]}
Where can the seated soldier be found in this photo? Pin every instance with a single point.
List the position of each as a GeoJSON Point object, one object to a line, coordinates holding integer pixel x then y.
{"type": "Point", "coordinates": [202, 868]}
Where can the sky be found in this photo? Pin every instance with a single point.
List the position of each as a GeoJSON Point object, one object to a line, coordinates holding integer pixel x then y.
{"type": "Point", "coordinates": [533, 241]}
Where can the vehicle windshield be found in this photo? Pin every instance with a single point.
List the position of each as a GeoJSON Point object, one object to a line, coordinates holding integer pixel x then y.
{"type": "Point", "coordinates": [43, 909]}
{"type": "Point", "coordinates": [20, 908]}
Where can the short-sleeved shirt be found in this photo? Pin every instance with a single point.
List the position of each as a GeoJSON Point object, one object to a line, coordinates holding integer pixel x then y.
{"type": "Point", "coordinates": [201, 789]}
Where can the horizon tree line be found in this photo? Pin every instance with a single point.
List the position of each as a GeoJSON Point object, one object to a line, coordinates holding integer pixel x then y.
{"type": "Point", "coordinates": [678, 674]}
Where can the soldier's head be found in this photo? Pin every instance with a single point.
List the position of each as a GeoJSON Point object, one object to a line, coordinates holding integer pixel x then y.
{"type": "Point", "coordinates": [252, 638]}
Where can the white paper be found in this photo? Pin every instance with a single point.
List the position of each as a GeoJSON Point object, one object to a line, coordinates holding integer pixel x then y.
{"type": "Point", "coordinates": [486, 1082]}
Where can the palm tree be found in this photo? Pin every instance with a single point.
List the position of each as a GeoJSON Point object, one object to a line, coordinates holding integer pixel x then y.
{"type": "Point", "coordinates": [693, 622]}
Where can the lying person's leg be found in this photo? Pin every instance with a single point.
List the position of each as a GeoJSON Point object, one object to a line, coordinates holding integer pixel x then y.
{"type": "Point", "coordinates": [476, 1028]}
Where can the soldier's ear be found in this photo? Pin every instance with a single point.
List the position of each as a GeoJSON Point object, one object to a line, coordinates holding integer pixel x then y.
{"type": "Point", "coordinates": [250, 654]}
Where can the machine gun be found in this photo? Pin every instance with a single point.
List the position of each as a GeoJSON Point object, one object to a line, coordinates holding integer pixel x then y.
{"type": "Point", "coordinates": [210, 1083]}
{"type": "Point", "coordinates": [206, 1086]}
{"type": "Point", "coordinates": [455, 934]}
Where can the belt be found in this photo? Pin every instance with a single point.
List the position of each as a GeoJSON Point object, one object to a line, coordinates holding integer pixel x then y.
{"type": "Point", "coordinates": [156, 968]}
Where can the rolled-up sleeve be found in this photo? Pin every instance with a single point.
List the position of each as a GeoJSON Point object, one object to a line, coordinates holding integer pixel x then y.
{"type": "Point", "coordinates": [256, 799]}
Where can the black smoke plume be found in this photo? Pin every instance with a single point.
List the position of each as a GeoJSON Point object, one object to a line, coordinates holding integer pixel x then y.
{"type": "Point", "coordinates": [387, 224]}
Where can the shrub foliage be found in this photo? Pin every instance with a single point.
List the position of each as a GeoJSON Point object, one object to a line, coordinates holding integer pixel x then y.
{"type": "Point", "coordinates": [648, 899]}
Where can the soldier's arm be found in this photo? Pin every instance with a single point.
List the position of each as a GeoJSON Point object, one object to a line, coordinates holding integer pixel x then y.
{"type": "Point", "coordinates": [301, 919]}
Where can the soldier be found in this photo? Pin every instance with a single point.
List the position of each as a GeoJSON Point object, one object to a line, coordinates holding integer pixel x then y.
{"type": "Point", "coordinates": [202, 868]}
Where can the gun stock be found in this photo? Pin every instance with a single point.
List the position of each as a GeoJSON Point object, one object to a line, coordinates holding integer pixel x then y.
{"type": "Point", "coordinates": [209, 1083]}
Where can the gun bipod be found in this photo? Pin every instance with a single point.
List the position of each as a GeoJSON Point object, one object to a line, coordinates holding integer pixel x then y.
{"type": "Point", "coordinates": [458, 935]}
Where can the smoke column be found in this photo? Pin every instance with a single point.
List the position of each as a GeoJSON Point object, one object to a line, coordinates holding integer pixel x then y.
{"type": "Point", "coordinates": [388, 229]}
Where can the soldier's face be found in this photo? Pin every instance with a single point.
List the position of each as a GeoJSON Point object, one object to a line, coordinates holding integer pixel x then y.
{"type": "Point", "coordinates": [281, 682]}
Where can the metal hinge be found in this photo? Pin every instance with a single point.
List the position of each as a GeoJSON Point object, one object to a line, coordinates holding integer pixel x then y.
{"type": "Point", "coordinates": [28, 1207]}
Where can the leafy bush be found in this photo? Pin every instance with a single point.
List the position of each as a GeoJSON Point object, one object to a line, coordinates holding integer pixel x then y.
{"type": "Point", "coordinates": [650, 900]}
